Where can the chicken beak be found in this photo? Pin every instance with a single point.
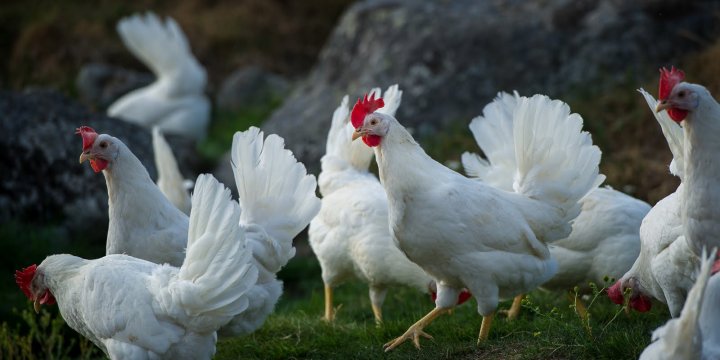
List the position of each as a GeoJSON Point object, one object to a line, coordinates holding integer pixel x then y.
{"type": "Point", "coordinates": [36, 306]}
{"type": "Point", "coordinates": [85, 156]}
{"type": "Point", "coordinates": [662, 105]}
{"type": "Point", "coordinates": [357, 133]}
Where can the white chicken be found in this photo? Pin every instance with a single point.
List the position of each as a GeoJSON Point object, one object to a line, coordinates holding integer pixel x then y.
{"type": "Point", "coordinates": [604, 241]}
{"type": "Point", "coordinates": [276, 195]}
{"type": "Point", "coordinates": [466, 234]}
{"type": "Point", "coordinates": [694, 107]}
{"type": "Point", "coordinates": [666, 267]}
{"type": "Point", "coordinates": [350, 235]}
{"type": "Point", "coordinates": [685, 337]}
{"type": "Point", "coordinates": [134, 309]}
{"type": "Point", "coordinates": [170, 180]}
{"type": "Point", "coordinates": [175, 102]}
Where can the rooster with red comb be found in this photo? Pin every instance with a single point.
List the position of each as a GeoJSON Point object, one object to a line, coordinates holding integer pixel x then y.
{"type": "Point", "coordinates": [693, 107]}
{"type": "Point", "coordinates": [466, 234]}
{"type": "Point", "coordinates": [275, 192]}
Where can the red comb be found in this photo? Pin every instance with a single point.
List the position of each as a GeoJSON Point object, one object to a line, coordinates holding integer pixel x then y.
{"type": "Point", "coordinates": [615, 293]}
{"type": "Point", "coordinates": [88, 136]}
{"type": "Point", "coordinates": [363, 107]}
{"type": "Point", "coordinates": [24, 277]}
{"type": "Point", "coordinates": [668, 80]}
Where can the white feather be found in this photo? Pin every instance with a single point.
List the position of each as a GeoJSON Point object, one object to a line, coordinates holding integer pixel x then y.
{"type": "Point", "coordinates": [350, 235]}
{"type": "Point", "coordinates": [673, 134]}
{"type": "Point", "coordinates": [170, 180]}
{"type": "Point", "coordinates": [278, 201]}
{"type": "Point", "coordinates": [175, 102]}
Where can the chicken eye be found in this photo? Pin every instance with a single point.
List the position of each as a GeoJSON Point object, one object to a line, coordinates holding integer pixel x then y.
{"type": "Point", "coordinates": [103, 144]}
{"type": "Point", "coordinates": [681, 94]}
{"type": "Point", "coordinates": [373, 122]}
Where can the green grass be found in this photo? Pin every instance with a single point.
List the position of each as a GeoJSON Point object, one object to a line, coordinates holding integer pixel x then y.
{"type": "Point", "coordinates": [546, 329]}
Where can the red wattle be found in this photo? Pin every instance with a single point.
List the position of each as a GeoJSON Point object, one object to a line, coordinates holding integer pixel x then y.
{"type": "Point", "coordinates": [98, 165]}
{"type": "Point", "coordinates": [615, 293]}
{"type": "Point", "coordinates": [640, 303]}
{"type": "Point", "coordinates": [47, 298]}
{"type": "Point", "coordinates": [371, 140]}
{"type": "Point", "coordinates": [677, 115]}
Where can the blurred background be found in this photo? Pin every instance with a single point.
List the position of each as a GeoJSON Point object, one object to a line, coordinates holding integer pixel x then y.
{"type": "Point", "coordinates": [284, 66]}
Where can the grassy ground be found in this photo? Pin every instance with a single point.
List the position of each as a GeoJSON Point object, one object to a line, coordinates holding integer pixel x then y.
{"type": "Point", "coordinates": [547, 328]}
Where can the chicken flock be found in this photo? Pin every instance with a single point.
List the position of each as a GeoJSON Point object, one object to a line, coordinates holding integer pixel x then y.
{"type": "Point", "coordinates": [182, 270]}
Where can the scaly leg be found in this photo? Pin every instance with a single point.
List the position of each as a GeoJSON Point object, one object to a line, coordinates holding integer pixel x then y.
{"type": "Point", "coordinates": [485, 328]}
{"type": "Point", "coordinates": [329, 313]}
{"type": "Point", "coordinates": [377, 297]}
{"type": "Point", "coordinates": [416, 330]}
{"type": "Point", "coordinates": [514, 311]}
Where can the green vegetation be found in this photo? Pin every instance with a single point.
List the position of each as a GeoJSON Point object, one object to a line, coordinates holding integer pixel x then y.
{"type": "Point", "coordinates": [547, 328]}
{"type": "Point", "coordinates": [225, 123]}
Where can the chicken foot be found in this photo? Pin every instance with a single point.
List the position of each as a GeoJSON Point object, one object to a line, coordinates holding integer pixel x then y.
{"type": "Point", "coordinates": [416, 330]}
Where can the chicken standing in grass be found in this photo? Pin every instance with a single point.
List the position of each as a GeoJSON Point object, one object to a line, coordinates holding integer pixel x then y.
{"type": "Point", "coordinates": [604, 241]}
{"type": "Point", "coordinates": [350, 235]}
{"type": "Point", "coordinates": [666, 267]}
{"type": "Point", "coordinates": [466, 234]}
{"type": "Point", "coordinates": [276, 195]}
{"type": "Point", "coordinates": [176, 101]}
{"type": "Point", "coordinates": [134, 309]}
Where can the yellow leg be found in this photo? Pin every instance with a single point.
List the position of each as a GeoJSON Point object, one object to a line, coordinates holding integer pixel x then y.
{"type": "Point", "coordinates": [580, 308]}
{"type": "Point", "coordinates": [329, 313]}
{"type": "Point", "coordinates": [514, 311]}
{"type": "Point", "coordinates": [377, 311]}
{"type": "Point", "coordinates": [485, 328]}
{"type": "Point", "coordinates": [416, 330]}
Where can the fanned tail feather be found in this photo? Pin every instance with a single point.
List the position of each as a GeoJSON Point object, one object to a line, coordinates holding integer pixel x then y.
{"type": "Point", "coordinates": [278, 200]}
{"type": "Point", "coordinates": [493, 132]}
{"type": "Point", "coordinates": [557, 162]}
{"type": "Point", "coordinates": [217, 273]}
{"type": "Point", "coordinates": [162, 47]}
{"type": "Point", "coordinates": [673, 134]}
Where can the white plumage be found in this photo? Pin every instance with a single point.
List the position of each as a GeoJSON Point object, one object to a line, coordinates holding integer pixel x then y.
{"type": "Point", "coordinates": [701, 170]}
{"type": "Point", "coordinates": [350, 235]}
{"type": "Point", "coordinates": [465, 233]}
{"type": "Point", "coordinates": [277, 198]}
{"type": "Point", "coordinates": [605, 236]}
{"type": "Point", "coordinates": [685, 337]}
{"type": "Point", "coordinates": [666, 266]}
{"type": "Point", "coordinates": [135, 309]}
{"type": "Point", "coordinates": [169, 180]}
{"type": "Point", "coordinates": [175, 102]}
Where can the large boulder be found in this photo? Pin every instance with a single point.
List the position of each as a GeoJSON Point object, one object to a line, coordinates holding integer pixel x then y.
{"type": "Point", "coordinates": [42, 181]}
{"type": "Point", "coordinates": [452, 57]}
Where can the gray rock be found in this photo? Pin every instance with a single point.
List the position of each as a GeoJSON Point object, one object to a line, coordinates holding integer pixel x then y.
{"type": "Point", "coordinates": [100, 84]}
{"type": "Point", "coordinates": [42, 181]}
{"type": "Point", "coordinates": [452, 57]}
{"type": "Point", "coordinates": [250, 86]}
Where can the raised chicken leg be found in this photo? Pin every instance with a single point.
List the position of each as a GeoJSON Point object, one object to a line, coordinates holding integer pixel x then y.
{"type": "Point", "coordinates": [416, 330]}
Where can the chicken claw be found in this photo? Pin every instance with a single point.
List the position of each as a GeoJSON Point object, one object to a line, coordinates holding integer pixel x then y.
{"type": "Point", "coordinates": [415, 331]}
